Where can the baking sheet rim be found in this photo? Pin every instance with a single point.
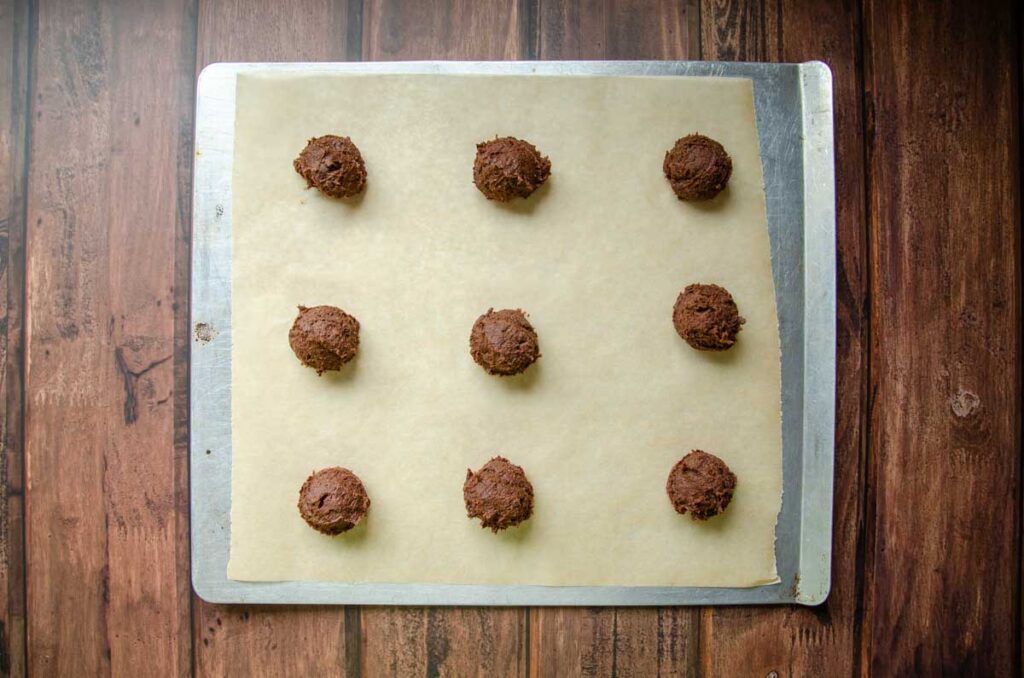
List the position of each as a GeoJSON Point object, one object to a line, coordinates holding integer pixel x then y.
{"type": "Point", "coordinates": [803, 546]}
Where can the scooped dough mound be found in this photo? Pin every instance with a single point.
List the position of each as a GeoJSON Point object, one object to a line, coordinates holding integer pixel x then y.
{"type": "Point", "coordinates": [324, 337]}
{"type": "Point", "coordinates": [333, 500]}
{"type": "Point", "coordinates": [706, 317]}
{"type": "Point", "coordinates": [503, 342]}
{"type": "Point", "coordinates": [334, 165]}
{"type": "Point", "coordinates": [507, 168]}
{"type": "Point", "coordinates": [499, 494]}
{"type": "Point", "coordinates": [701, 484]}
{"type": "Point", "coordinates": [697, 167]}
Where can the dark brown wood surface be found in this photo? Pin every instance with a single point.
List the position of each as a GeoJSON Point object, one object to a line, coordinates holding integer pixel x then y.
{"type": "Point", "coordinates": [14, 17]}
{"type": "Point", "coordinates": [944, 206]}
{"type": "Point", "coordinates": [96, 114]}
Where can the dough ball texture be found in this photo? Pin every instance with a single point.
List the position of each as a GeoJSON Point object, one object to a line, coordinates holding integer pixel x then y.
{"type": "Point", "coordinates": [334, 165]}
{"type": "Point", "coordinates": [333, 500]}
{"type": "Point", "coordinates": [706, 317]}
{"type": "Point", "coordinates": [697, 167]}
{"type": "Point", "coordinates": [499, 494]}
{"type": "Point", "coordinates": [503, 342]}
{"type": "Point", "coordinates": [701, 484]}
{"type": "Point", "coordinates": [507, 168]}
{"type": "Point", "coordinates": [324, 337]}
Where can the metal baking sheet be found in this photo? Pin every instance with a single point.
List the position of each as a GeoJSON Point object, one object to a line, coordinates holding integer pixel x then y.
{"type": "Point", "coordinates": [793, 104]}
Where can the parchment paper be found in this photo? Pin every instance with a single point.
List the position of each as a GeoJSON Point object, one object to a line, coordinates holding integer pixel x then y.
{"type": "Point", "coordinates": [596, 258]}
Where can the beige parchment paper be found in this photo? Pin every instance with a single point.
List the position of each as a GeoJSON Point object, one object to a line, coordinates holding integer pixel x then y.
{"type": "Point", "coordinates": [596, 258]}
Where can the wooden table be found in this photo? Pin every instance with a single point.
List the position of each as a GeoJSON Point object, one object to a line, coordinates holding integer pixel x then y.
{"type": "Point", "coordinates": [96, 113]}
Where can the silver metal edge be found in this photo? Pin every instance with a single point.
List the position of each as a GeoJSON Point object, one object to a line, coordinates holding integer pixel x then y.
{"type": "Point", "coordinates": [210, 360]}
{"type": "Point", "coordinates": [820, 334]}
{"type": "Point", "coordinates": [210, 386]}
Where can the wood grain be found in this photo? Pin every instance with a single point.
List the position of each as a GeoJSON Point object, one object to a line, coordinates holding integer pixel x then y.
{"type": "Point", "coordinates": [444, 642]}
{"type": "Point", "coordinates": [14, 37]}
{"type": "Point", "coordinates": [821, 641]}
{"type": "Point", "coordinates": [260, 30]}
{"type": "Point", "coordinates": [403, 30]}
{"type": "Point", "coordinates": [268, 640]}
{"type": "Point", "coordinates": [111, 91]}
{"type": "Point", "coordinates": [253, 640]}
{"type": "Point", "coordinates": [614, 641]}
{"type": "Point", "coordinates": [741, 30]}
{"type": "Point", "coordinates": [594, 641]}
{"type": "Point", "coordinates": [943, 143]}
{"type": "Point", "coordinates": [616, 29]}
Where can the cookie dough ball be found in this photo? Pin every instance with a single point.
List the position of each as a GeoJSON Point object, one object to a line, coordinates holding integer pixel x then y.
{"type": "Point", "coordinates": [333, 500]}
{"type": "Point", "coordinates": [508, 168]}
{"type": "Point", "coordinates": [697, 167]}
{"type": "Point", "coordinates": [707, 317]}
{"type": "Point", "coordinates": [324, 337]}
{"type": "Point", "coordinates": [702, 484]}
{"type": "Point", "coordinates": [499, 494]}
{"type": "Point", "coordinates": [503, 342]}
{"type": "Point", "coordinates": [334, 165]}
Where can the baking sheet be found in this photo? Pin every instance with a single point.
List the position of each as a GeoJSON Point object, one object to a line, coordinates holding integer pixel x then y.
{"type": "Point", "coordinates": [610, 591]}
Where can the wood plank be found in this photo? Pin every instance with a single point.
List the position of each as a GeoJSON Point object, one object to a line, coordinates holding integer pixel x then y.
{"type": "Point", "coordinates": [598, 641]}
{"type": "Point", "coordinates": [400, 30]}
{"type": "Point", "coordinates": [944, 153]}
{"type": "Point", "coordinates": [311, 30]}
{"type": "Point", "coordinates": [616, 29]}
{"type": "Point", "coordinates": [820, 641]}
{"type": "Point", "coordinates": [14, 36]}
{"type": "Point", "coordinates": [741, 30]}
{"type": "Point", "coordinates": [254, 640]}
{"type": "Point", "coordinates": [447, 641]}
{"type": "Point", "coordinates": [614, 641]}
{"type": "Point", "coordinates": [111, 92]}
{"type": "Point", "coordinates": [269, 640]}
{"type": "Point", "coordinates": [443, 642]}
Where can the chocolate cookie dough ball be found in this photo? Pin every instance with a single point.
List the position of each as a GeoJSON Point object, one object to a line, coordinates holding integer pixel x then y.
{"type": "Point", "coordinates": [697, 167]}
{"type": "Point", "coordinates": [707, 317]}
{"type": "Point", "coordinates": [503, 342]}
{"type": "Point", "coordinates": [508, 168]}
{"type": "Point", "coordinates": [700, 483]}
{"type": "Point", "coordinates": [334, 165]}
{"type": "Point", "coordinates": [324, 337]}
{"type": "Point", "coordinates": [333, 500]}
{"type": "Point", "coordinates": [499, 494]}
